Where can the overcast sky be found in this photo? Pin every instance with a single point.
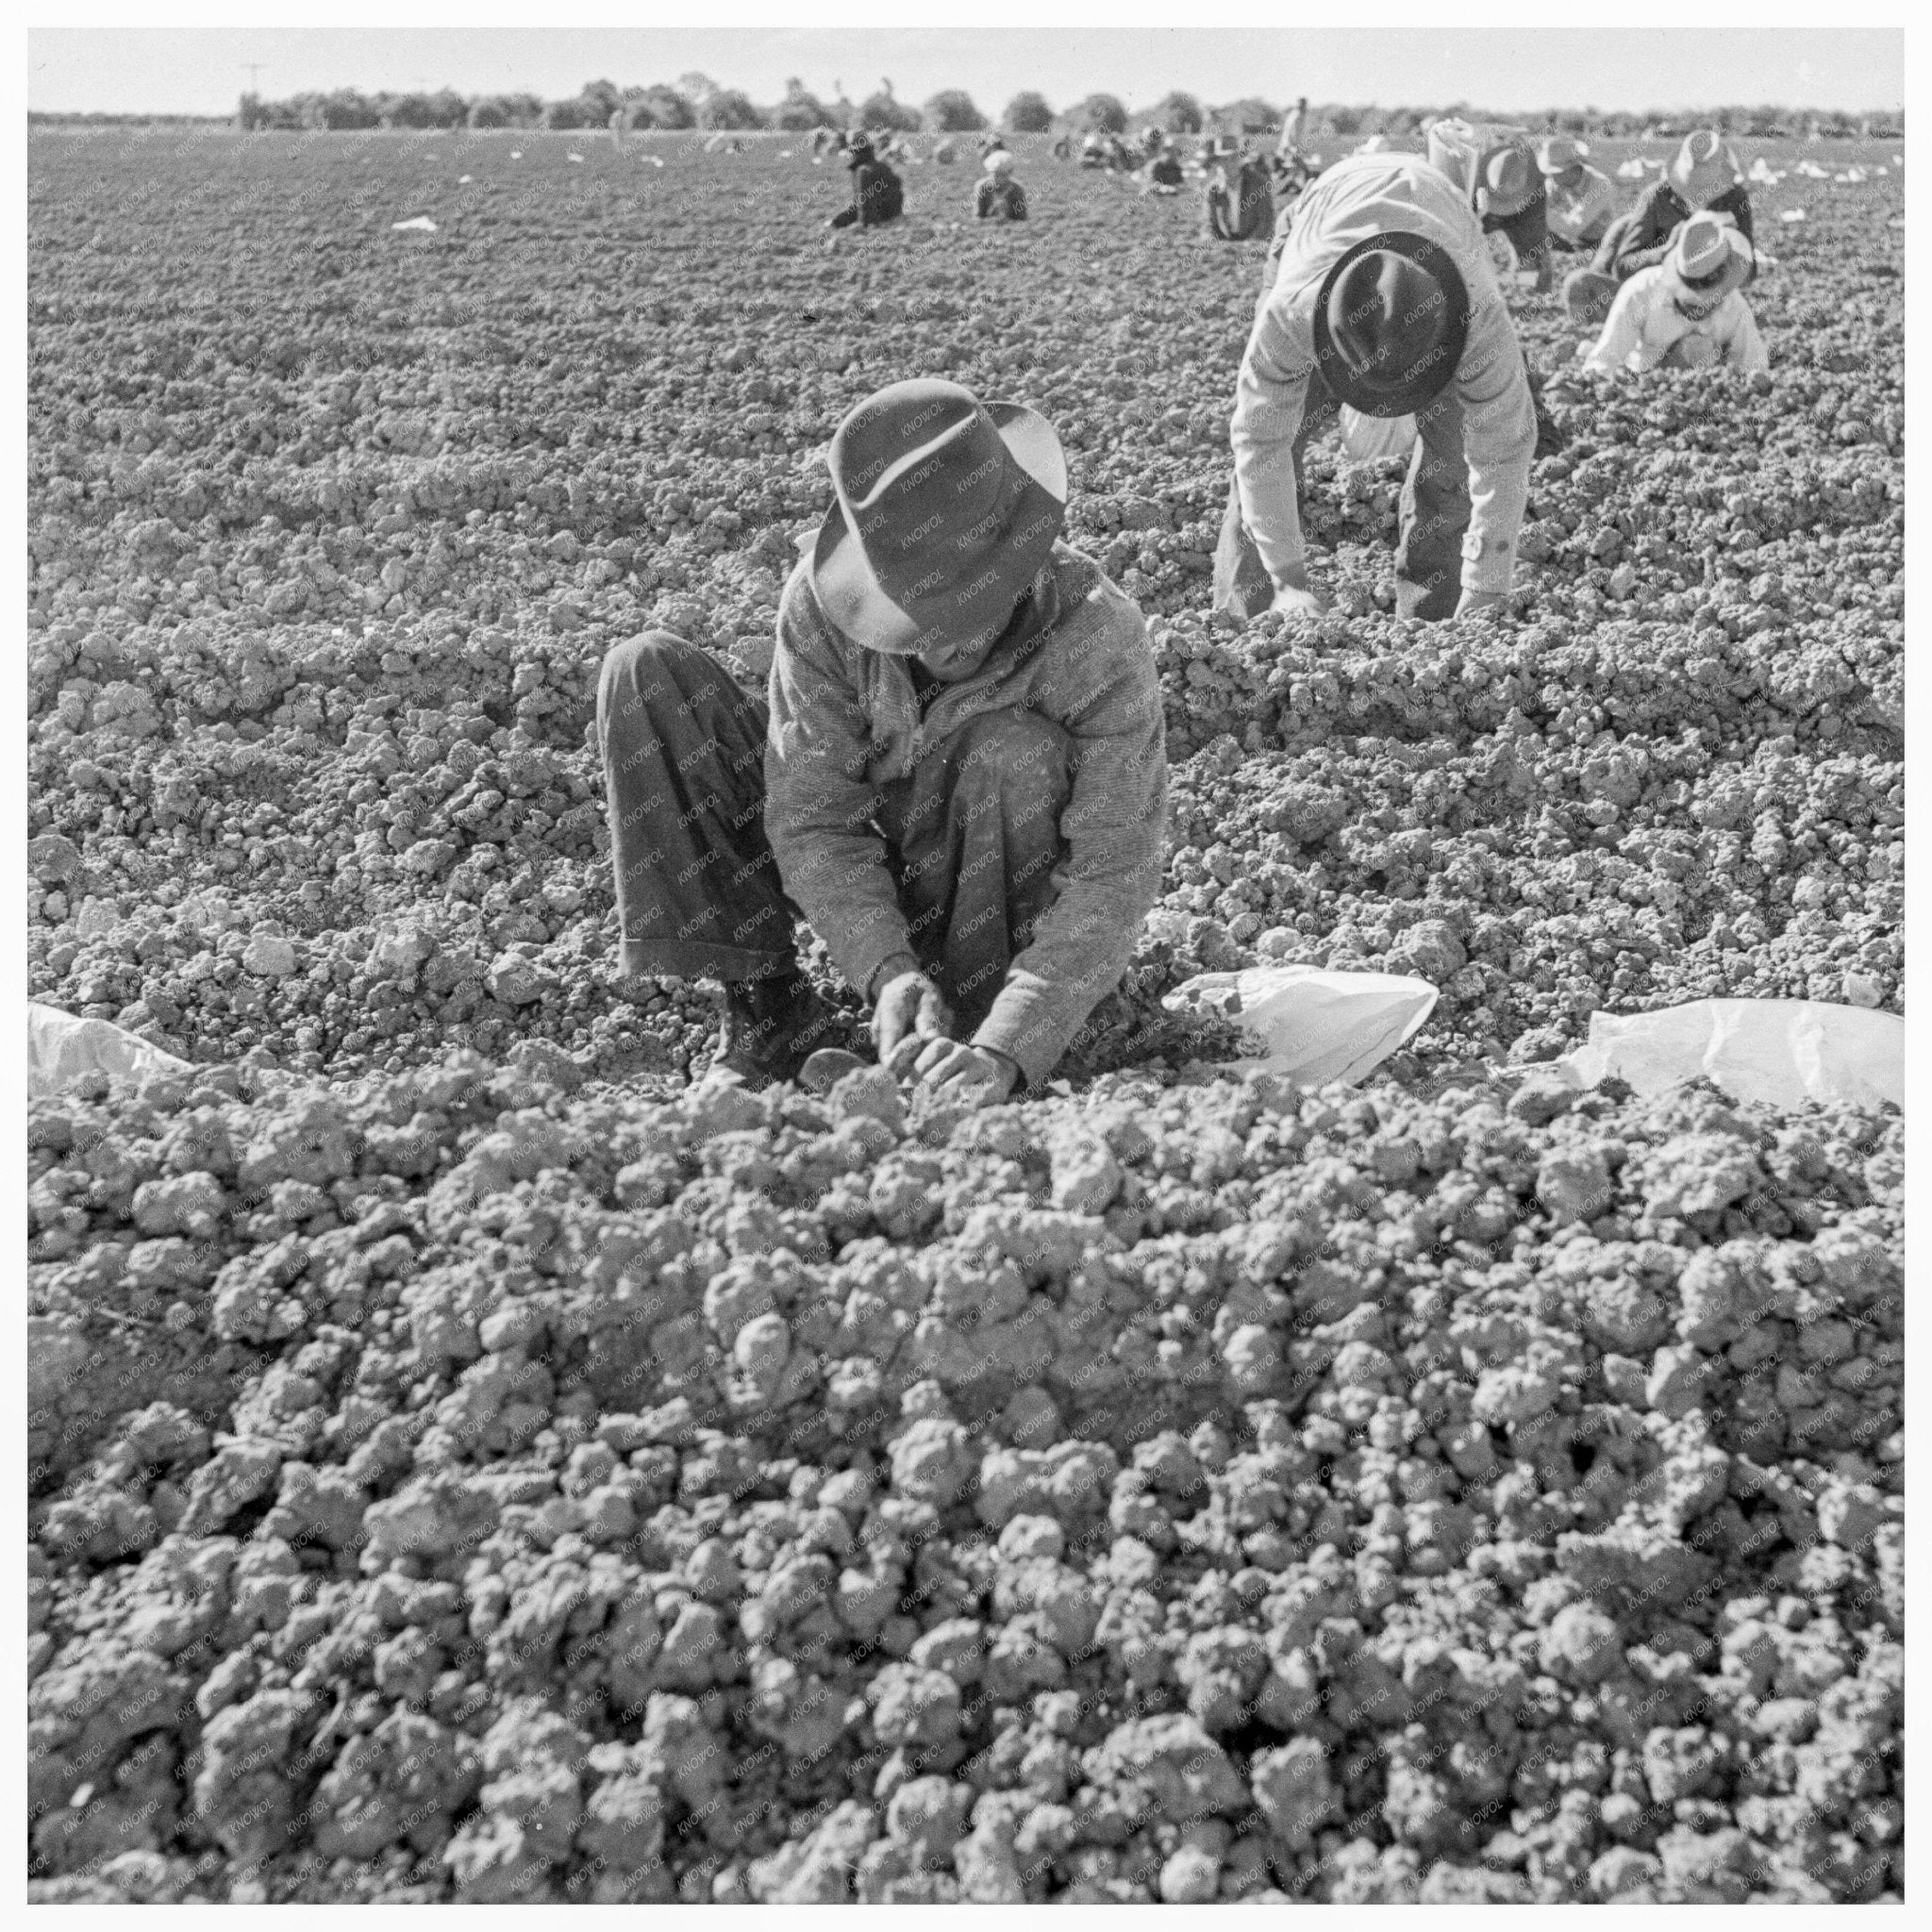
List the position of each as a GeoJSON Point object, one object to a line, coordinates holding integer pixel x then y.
{"type": "Point", "coordinates": [202, 70]}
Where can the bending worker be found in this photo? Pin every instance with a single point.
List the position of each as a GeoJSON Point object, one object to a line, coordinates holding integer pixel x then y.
{"type": "Point", "coordinates": [1384, 300]}
{"type": "Point", "coordinates": [1581, 200]}
{"type": "Point", "coordinates": [1240, 198]}
{"type": "Point", "coordinates": [1496, 167]}
{"type": "Point", "coordinates": [964, 773]}
{"type": "Point", "coordinates": [999, 197]}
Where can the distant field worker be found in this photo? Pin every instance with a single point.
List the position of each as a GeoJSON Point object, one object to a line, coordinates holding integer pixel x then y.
{"type": "Point", "coordinates": [1704, 174]}
{"type": "Point", "coordinates": [1163, 173]}
{"type": "Point", "coordinates": [877, 196]}
{"type": "Point", "coordinates": [1497, 168]}
{"type": "Point", "coordinates": [1384, 301]}
{"type": "Point", "coordinates": [999, 197]}
{"type": "Point", "coordinates": [620, 120]}
{"type": "Point", "coordinates": [1687, 312]}
{"type": "Point", "coordinates": [1581, 199]}
{"type": "Point", "coordinates": [1239, 198]}
{"type": "Point", "coordinates": [1294, 128]}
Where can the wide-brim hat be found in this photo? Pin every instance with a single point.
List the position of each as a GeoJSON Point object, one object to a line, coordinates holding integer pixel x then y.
{"type": "Point", "coordinates": [1710, 257]}
{"type": "Point", "coordinates": [1703, 167]}
{"type": "Point", "coordinates": [1509, 183]}
{"type": "Point", "coordinates": [1406, 294]}
{"type": "Point", "coordinates": [999, 161]}
{"type": "Point", "coordinates": [947, 510]}
{"type": "Point", "coordinates": [1560, 154]}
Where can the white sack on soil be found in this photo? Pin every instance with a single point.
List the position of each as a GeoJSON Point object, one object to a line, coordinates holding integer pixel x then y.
{"type": "Point", "coordinates": [60, 1048]}
{"type": "Point", "coordinates": [1318, 1026]}
{"type": "Point", "coordinates": [1783, 1051]}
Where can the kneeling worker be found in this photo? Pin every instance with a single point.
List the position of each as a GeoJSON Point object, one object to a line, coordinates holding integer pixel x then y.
{"type": "Point", "coordinates": [964, 773]}
{"type": "Point", "coordinates": [1384, 300]}
{"type": "Point", "coordinates": [999, 197]}
{"type": "Point", "coordinates": [1687, 312]}
{"type": "Point", "coordinates": [878, 194]}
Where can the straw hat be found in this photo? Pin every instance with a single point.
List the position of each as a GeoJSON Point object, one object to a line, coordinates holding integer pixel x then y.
{"type": "Point", "coordinates": [1509, 183]}
{"type": "Point", "coordinates": [1560, 154]}
{"type": "Point", "coordinates": [1709, 257]}
{"type": "Point", "coordinates": [1703, 167]}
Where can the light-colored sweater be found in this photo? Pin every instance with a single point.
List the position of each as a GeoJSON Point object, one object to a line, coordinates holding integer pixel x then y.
{"type": "Point", "coordinates": [1579, 215]}
{"type": "Point", "coordinates": [1358, 198]}
{"type": "Point", "coordinates": [1645, 324]}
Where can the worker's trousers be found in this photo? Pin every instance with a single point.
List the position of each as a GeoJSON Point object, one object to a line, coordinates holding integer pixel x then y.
{"type": "Point", "coordinates": [1435, 513]}
{"type": "Point", "coordinates": [971, 836]}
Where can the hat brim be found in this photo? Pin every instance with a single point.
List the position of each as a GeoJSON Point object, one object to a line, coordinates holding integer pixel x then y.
{"type": "Point", "coordinates": [1424, 385]}
{"type": "Point", "coordinates": [1734, 274]}
{"type": "Point", "coordinates": [957, 614]}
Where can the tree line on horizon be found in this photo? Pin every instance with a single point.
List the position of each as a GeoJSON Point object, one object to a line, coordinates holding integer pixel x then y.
{"type": "Point", "coordinates": [697, 102]}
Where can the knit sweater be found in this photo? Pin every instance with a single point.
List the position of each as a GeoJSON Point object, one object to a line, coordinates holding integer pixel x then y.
{"type": "Point", "coordinates": [845, 722]}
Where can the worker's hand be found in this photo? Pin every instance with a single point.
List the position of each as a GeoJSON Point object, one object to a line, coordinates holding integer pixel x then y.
{"type": "Point", "coordinates": [911, 1011]}
{"type": "Point", "coordinates": [977, 1075]}
{"type": "Point", "coordinates": [1482, 604]}
{"type": "Point", "coordinates": [1302, 601]}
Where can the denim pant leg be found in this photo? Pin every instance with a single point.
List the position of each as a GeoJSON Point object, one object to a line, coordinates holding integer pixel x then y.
{"type": "Point", "coordinates": [975, 834]}
{"type": "Point", "coordinates": [1435, 514]}
{"type": "Point", "coordinates": [697, 888]}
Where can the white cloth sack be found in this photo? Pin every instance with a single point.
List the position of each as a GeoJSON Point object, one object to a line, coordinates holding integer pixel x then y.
{"type": "Point", "coordinates": [1367, 438]}
{"type": "Point", "coordinates": [1782, 1052]}
{"type": "Point", "coordinates": [60, 1048]}
{"type": "Point", "coordinates": [1319, 1026]}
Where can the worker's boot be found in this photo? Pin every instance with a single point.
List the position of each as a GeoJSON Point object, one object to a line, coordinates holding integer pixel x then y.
{"type": "Point", "coordinates": [771, 1027]}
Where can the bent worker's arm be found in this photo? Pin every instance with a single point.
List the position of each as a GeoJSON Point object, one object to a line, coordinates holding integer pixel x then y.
{"type": "Point", "coordinates": [1498, 441]}
{"type": "Point", "coordinates": [1114, 826]}
{"type": "Point", "coordinates": [1745, 351]}
{"type": "Point", "coordinates": [818, 800]}
{"type": "Point", "coordinates": [1621, 346]}
{"type": "Point", "coordinates": [1269, 399]}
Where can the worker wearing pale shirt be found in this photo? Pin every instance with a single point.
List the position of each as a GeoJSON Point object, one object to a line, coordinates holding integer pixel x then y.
{"type": "Point", "coordinates": [1687, 312]}
{"type": "Point", "coordinates": [1580, 199]}
{"type": "Point", "coordinates": [1385, 302]}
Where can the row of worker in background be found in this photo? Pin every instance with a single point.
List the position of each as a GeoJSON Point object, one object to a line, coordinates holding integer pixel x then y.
{"type": "Point", "coordinates": [1662, 291]}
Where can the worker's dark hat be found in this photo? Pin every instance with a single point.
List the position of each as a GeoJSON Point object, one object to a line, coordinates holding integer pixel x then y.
{"type": "Point", "coordinates": [947, 510]}
{"type": "Point", "coordinates": [1391, 322]}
